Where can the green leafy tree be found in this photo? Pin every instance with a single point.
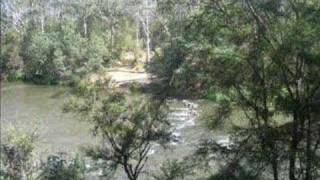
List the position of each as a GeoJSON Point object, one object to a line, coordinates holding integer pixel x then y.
{"type": "Point", "coordinates": [17, 154]}
{"type": "Point", "coordinates": [127, 126]}
{"type": "Point", "coordinates": [69, 39]}
{"type": "Point", "coordinates": [251, 53]}
{"type": "Point", "coordinates": [45, 60]}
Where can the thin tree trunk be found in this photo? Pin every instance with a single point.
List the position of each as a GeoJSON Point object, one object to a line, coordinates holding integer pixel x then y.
{"type": "Point", "coordinates": [147, 31]}
{"type": "Point", "coordinates": [137, 36]}
{"type": "Point", "coordinates": [275, 167]}
{"type": "Point", "coordinates": [128, 171]}
{"type": "Point", "coordinates": [308, 151]}
{"type": "Point", "coordinates": [42, 24]}
{"type": "Point", "coordinates": [293, 148]}
{"type": "Point", "coordinates": [111, 37]}
{"type": "Point", "coordinates": [85, 27]}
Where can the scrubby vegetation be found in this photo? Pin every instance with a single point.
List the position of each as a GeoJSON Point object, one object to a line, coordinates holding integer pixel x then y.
{"type": "Point", "coordinates": [257, 63]}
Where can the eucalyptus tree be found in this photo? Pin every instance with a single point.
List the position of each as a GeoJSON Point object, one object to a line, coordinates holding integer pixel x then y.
{"type": "Point", "coordinates": [261, 57]}
{"type": "Point", "coordinates": [114, 19]}
{"type": "Point", "coordinates": [84, 12]}
{"type": "Point", "coordinates": [12, 13]}
{"type": "Point", "coordinates": [145, 19]}
{"type": "Point", "coordinates": [167, 31]}
{"type": "Point", "coordinates": [13, 24]}
{"type": "Point", "coordinates": [144, 15]}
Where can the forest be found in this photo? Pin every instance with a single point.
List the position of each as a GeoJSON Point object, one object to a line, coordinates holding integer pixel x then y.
{"type": "Point", "coordinates": [160, 89]}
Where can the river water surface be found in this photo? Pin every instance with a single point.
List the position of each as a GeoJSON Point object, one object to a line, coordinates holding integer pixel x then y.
{"type": "Point", "coordinates": [30, 106]}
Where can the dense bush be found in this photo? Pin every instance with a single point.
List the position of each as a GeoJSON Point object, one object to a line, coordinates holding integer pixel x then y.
{"type": "Point", "coordinates": [173, 170]}
{"type": "Point", "coordinates": [18, 160]}
{"type": "Point", "coordinates": [57, 168]}
{"type": "Point", "coordinates": [10, 62]}
{"type": "Point", "coordinates": [17, 154]}
{"type": "Point", "coordinates": [82, 38]}
{"type": "Point", "coordinates": [56, 56]}
{"type": "Point", "coordinates": [45, 61]}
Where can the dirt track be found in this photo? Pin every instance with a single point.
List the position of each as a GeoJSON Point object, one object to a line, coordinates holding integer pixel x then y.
{"type": "Point", "coordinates": [126, 75]}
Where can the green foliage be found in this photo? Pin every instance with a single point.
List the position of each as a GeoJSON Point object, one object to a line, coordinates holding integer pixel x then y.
{"type": "Point", "coordinates": [48, 47]}
{"type": "Point", "coordinates": [173, 170]}
{"type": "Point", "coordinates": [10, 61]}
{"type": "Point", "coordinates": [215, 96]}
{"type": "Point", "coordinates": [45, 59]}
{"type": "Point", "coordinates": [257, 56]}
{"type": "Point", "coordinates": [236, 172]}
{"type": "Point", "coordinates": [57, 168]}
{"type": "Point", "coordinates": [55, 56]}
{"type": "Point", "coordinates": [17, 153]}
{"type": "Point", "coordinates": [18, 160]}
{"type": "Point", "coordinates": [127, 125]}
{"type": "Point", "coordinates": [215, 116]}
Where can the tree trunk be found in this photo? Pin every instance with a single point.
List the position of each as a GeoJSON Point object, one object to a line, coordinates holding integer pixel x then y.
{"type": "Point", "coordinates": [308, 151]}
{"type": "Point", "coordinates": [85, 31]}
{"type": "Point", "coordinates": [128, 172]}
{"type": "Point", "coordinates": [42, 24]}
{"type": "Point", "coordinates": [137, 36]}
{"type": "Point", "coordinates": [275, 167]}
{"type": "Point", "coordinates": [111, 37]}
{"type": "Point", "coordinates": [147, 32]}
{"type": "Point", "coordinates": [293, 148]}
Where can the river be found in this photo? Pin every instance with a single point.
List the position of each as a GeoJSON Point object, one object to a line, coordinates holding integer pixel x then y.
{"type": "Point", "coordinates": [30, 106]}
